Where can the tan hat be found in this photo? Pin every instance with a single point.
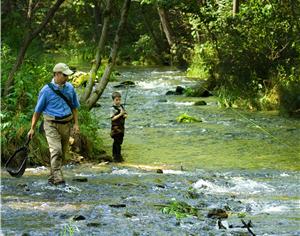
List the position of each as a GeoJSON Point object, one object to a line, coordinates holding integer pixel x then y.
{"type": "Point", "coordinates": [62, 67]}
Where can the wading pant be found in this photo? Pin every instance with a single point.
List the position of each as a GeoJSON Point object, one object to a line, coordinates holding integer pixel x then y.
{"type": "Point", "coordinates": [118, 140]}
{"type": "Point", "coordinates": [58, 140]}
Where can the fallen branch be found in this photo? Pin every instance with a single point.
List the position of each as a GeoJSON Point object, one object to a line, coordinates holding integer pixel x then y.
{"type": "Point", "coordinates": [248, 226]}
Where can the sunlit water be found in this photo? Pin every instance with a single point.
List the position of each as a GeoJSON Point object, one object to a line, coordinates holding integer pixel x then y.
{"type": "Point", "coordinates": [246, 163]}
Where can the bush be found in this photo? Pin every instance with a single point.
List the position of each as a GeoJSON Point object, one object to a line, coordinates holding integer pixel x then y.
{"type": "Point", "coordinates": [242, 53]}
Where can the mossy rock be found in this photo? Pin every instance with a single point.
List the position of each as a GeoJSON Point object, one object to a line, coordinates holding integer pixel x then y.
{"type": "Point", "coordinates": [200, 103]}
{"type": "Point", "coordinates": [79, 78]}
{"type": "Point", "coordinates": [185, 118]}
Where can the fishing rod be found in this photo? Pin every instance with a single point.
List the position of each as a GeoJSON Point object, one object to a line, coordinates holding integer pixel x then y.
{"type": "Point", "coordinates": [126, 95]}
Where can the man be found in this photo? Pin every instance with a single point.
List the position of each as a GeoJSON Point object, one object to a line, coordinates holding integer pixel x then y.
{"type": "Point", "coordinates": [58, 114]}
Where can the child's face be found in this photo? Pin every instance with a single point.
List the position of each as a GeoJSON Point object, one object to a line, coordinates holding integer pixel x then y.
{"type": "Point", "coordinates": [117, 101]}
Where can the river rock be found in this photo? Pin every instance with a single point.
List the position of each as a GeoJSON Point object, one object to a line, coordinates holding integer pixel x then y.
{"type": "Point", "coordinates": [124, 84]}
{"type": "Point", "coordinates": [217, 213]}
{"type": "Point", "coordinates": [200, 103]}
{"type": "Point", "coordinates": [170, 93]}
{"type": "Point", "coordinates": [78, 217]}
{"type": "Point", "coordinates": [159, 171]}
{"type": "Point", "coordinates": [80, 179]}
{"type": "Point", "coordinates": [162, 100]}
{"type": "Point", "coordinates": [117, 205]}
{"type": "Point", "coordinates": [93, 224]}
{"type": "Point", "coordinates": [179, 91]}
{"type": "Point", "coordinates": [79, 78]}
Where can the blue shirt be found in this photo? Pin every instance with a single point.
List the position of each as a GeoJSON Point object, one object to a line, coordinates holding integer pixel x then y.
{"type": "Point", "coordinates": [52, 104]}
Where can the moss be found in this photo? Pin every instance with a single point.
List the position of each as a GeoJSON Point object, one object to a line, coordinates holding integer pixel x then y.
{"type": "Point", "coordinates": [185, 118]}
{"type": "Point", "coordinates": [180, 209]}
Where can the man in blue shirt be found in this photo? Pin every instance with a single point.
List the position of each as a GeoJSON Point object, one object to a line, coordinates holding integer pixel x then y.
{"type": "Point", "coordinates": [58, 115]}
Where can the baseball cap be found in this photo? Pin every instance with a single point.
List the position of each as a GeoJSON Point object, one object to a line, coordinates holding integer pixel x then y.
{"type": "Point", "coordinates": [62, 67]}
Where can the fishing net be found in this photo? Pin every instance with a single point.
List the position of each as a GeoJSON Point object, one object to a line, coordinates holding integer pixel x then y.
{"type": "Point", "coordinates": [16, 164]}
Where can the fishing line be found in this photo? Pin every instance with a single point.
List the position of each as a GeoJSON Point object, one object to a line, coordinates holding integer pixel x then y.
{"type": "Point", "coordinates": [290, 146]}
{"type": "Point", "coordinates": [266, 131]}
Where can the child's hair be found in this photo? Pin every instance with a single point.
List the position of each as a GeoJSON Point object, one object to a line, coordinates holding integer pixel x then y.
{"type": "Point", "coordinates": [115, 95]}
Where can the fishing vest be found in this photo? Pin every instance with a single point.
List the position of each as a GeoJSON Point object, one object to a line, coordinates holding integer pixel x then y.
{"type": "Point", "coordinates": [118, 125]}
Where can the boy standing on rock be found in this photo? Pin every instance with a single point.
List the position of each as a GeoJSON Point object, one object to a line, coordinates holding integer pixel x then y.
{"type": "Point", "coordinates": [118, 116]}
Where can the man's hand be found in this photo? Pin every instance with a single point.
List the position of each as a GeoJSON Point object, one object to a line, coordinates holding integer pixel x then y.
{"type": "Point", "coordinates": [76, 129]}
{"type": "Point", "coordinates": [31, 133]}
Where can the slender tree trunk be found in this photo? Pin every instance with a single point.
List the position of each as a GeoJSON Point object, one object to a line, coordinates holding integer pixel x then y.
{"type": "Point", "coordinates": [166, 26]}
{"type": "Point", "coordinates": [175, 49]}
{"type": "Point", "coordinates": [98, 17]}
{"type": "Point", "coordinates": [159, 45]}
{"type": "Point", "coordinates": [112, 58]}
{"type": "Point", "coordinates": [27, 41]}
{"type": "Point", "coordinates": [99, 51]}
{"type": "Point", "coordinates": [235, 7]}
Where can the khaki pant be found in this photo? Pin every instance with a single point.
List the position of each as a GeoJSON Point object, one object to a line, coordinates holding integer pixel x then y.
{"type": "Point", "coordinates": [58, 140]}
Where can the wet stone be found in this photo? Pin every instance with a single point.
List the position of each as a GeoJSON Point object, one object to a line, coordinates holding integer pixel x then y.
{"type": "Point", "coordinates": [129, 215]}
{"type": "Point", "coordinates": [217, 213]}
{"type": "Point", "coordinates": [93, 224]}
{"type": "Point", "coordinates": [200, 103]}
{"type": "Point", "coordinates": [117, 205]}
{"type": "Point", "coordinates": [78, 217]}
{"type": "Point", "coordinates": [160, 186]}
{"type": "Point", "coordinates": [159, 171]}
{"type": "Point", "coordinates": [82, 179]}
{"type": "Point", "coordinates": [63, 216]}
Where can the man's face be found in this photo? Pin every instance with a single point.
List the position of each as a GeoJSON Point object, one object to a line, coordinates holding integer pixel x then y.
{"type": "Point", "coordinates": [61, 78]}
{"type": "Point", "coordinates": [117, 101]}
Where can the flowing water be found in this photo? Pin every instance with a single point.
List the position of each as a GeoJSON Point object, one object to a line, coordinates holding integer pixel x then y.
{"type": "Point", "coordinates": [246, 163]}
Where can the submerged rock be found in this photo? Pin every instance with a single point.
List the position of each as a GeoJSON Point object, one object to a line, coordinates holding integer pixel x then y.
{"type": "Point", "coordinates": [179, 91]}
{"type": "Point", "coordinates": [81, 179]}
{"type": "Point", "coordinates": [93, 224]}
{"type": "Point", "coordinates": [162, 100]}
{"type": "Point", "coordinates": [117, 205]}
{"type": "Point", "coordinates": [78, 217]}
{"type": "Point", "coordinates": [217, 213]}
{"type": "Point", "coordinates": [200, 103]}
{"type": "Point", "coordinates": [159, 171]}
{"type": "Point", "coordinates": [125, 84]}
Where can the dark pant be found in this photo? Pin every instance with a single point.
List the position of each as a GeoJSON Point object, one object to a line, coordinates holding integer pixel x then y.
{"type": "Point", "coordinates": [118, 140]}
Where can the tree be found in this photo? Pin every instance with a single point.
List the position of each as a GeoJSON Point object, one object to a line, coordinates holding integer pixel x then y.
{"type": "Point", "coordinates": [96, 94]}
{"type": "Point", "coordinates": [99, 51]}
{"type": "Point", "coordinates": [235, 6]}
{"type": "Point", "coordinates": [31, 34]}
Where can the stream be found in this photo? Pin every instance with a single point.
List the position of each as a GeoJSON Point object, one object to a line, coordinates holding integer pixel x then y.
{"type": "Point", "coordinates": [246, 163]}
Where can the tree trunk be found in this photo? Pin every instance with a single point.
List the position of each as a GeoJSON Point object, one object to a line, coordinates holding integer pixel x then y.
{"type": "Point", "coordinates": [175, 49]}
{"type": "Point", "coordinates": [97, 18]}
{"type": "Point", "coordinates": [159, 45]}
{"type": "Point", "coordinates": [166, 26]}
{"type": "Point", "coordinates": [27, 41]}
{"type": "Point", "coordinates": [99, 50]}
{"type": "Point", "coordinates": [235, 7]}
{"type": "Point", "coordinates": [112, 58]}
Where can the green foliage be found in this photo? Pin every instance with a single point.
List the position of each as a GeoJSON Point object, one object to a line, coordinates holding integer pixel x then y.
{"type": "Point", "coordinates": [180, 210]}
{"type": "Point", "coordinates": [185, 118]}
{"type": "Point", "coordinates": [200, 66]}
{"type": "Point", "coordinates": [69, 230]}
{"type": "Point", "coordinates": [144, 48]}
{"type": "Point", "coordinates": [289, 95]}
{"type": "Point", "coordinates": [241, 214]}
{"type": "Point", "coordinates": [17, 108]}
{"type": "Point", "coordinates": [88, 129]}
{"type": "Point", "coordinates": [243, 53]}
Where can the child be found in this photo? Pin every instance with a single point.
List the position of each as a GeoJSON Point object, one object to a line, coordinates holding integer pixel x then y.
{"type": "Point", "coordinates": [118, 116]}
